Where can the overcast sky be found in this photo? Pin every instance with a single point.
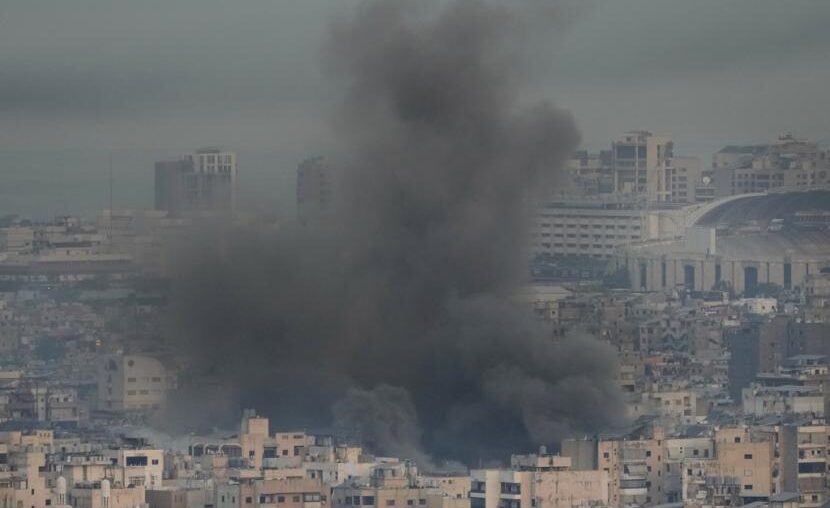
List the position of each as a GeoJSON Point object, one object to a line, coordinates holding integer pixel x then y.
{"type": "Point", "coordinates": [159, 76]}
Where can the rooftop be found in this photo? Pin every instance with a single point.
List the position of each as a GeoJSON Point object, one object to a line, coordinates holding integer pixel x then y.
{"type": "Point", "coordinates": [765, 207]}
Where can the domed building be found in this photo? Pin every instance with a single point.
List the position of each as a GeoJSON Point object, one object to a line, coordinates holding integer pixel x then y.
{"type": "Point", "coordinates": [742, 241]}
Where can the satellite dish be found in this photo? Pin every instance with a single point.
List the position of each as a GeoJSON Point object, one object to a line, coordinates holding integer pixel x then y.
{"type": "Point", "coordinates": [707, 180]}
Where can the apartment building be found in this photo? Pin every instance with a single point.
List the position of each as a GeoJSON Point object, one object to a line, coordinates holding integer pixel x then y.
{"type": "Point", "coordinates": [813, 463]}
{"type": "Point", "coordinates": [205, 180]}
{"type": "Point", "coordinates": [103, 494]}
{"type": "Point", "coordinates": [635, 466]}
{"type": "Point", "coordinates": [542, 481]}
{"type": "Point", "coordinates": [788, 162]}
{"type": "Point", "coordinates": [133, 383]}
{"type": "Point", "coordinates": [594, 227]}
{"type": "Point", "coordinates": [282, 493]}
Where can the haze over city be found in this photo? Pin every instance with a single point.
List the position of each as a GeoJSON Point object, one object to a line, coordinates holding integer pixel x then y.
{"type": "Point", "coordinates": [144, 82]}
{"type": "Point", "coordinates": [388, 253]}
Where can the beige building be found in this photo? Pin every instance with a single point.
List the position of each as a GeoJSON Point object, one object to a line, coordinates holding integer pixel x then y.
{"type": "Point", "coordinates": [23, 484]}
{"type": "Point", "coordinates": [133, 383]}
{"type": "Point", "coordinates": [141, 466]}
{"type": "Point", "coordinates": [635, 467]}
{"type": "Point", "coordinates": [542, 481]}
{"type": "Point", "coordinates": [746, 467]}
{"type": "Point", "coordinates": [786, 163]}
{"type": "Point", "coordinates": [173, 496]}
{"type": "Point", "coordinates": [17, 239]}
{"type": "Point", "coordinates": [642, 165]}
{"type": "Point", "coordinates": [104, 495]}
{"type": "Point", "coordinates": [283, 493]}
{"type": "Point", "coordinates": [396, 484]}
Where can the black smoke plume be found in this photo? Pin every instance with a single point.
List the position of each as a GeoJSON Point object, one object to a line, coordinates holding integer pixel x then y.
{"type": "Point", "coordinates": [396, 318]}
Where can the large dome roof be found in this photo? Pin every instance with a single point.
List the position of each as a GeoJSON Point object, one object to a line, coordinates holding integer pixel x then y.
{"type": "Point", "coordinates": [765, 208]}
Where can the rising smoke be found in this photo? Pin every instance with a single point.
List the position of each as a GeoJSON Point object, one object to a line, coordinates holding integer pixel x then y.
{"type": "Point", "coordinates": [396, 321]}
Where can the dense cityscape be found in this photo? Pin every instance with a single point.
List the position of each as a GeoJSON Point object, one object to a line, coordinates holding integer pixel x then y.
{"type": "Point", "coordinates": [452, 277]}
{"type": "Point", "coordinates": [711, 285]}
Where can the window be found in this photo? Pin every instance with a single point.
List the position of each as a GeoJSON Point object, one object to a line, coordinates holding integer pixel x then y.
{"type": "Point", "coordinates": [748, 456]}
{"type": "Point", "coordinates": [368, 500]}
{"type": "Point", "coordinates": [281, 499]}
{"type": "Point", "coordinates": [422, 502]}
{"type": "Point", "coordinates": [155, 462]}
{"type": "Point", "coordinates": [295, 499]}
{"type": "Point", "coordinates": [390, 502]}
{"type": "Point", "coordinates": [747, 487]}
{"type": "Point", "coordinates": [411, 502]}
{"type": "Point", "coordinates": [137, 461]}
{"type": "Point", "coordinates": [249, 500]}
{"type": "Point", "coordinates": [510, 488]}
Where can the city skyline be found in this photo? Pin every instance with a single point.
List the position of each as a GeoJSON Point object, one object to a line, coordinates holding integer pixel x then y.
{"type": "Point", "coordinates": [415, 254]}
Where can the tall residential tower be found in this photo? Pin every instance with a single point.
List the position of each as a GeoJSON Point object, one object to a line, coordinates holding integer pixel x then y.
{"type": "Point", "coordinates": [203, 180]}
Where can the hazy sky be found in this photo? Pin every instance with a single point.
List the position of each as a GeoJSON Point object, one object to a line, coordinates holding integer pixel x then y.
{"type": "Point", "coordinates": [156, 77]}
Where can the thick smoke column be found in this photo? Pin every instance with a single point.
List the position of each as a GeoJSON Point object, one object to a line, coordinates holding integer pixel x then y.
{"type": "Point", "coordinates": [397, 318]}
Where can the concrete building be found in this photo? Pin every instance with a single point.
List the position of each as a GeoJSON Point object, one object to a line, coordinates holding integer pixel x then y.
{"type": "Point", "coordinates": [203, 180]}
{"type": "Point", "coordinates": [588, 227]}
{"type": "Point", "coordinates": [786, 163]}
{"type": "Point", "coordinates": [104, 495]}
{"type": "Point", "coordinates": [635, 466]}
{"type": "Point", "coordinates": [133, 382]}
{"type": "Point", "coordinates": [645, 164]}
{"type": "Point", "coordinates": [641, 161]}
{"type": "Point", "coordinates": [140, 466]}
{"type": "Point", "coordinates": [813, 476]}
{"type": "Point", "coordinates": [817, 290]}
{"type": "Point", "coordinates": [761, 401]}
{"type": "Point", "coordinates": [543, 481]}
{"type": "Point", "coordinates": [191, 495]}
{"type": "Point", "coordinates": [283, 493]}
{"type": "Point", "coordinates": [717, 249]}
{"type": "Point", "coordinates": [19, 239]}
{"type": "Point", "coordinates": [592, 173]}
